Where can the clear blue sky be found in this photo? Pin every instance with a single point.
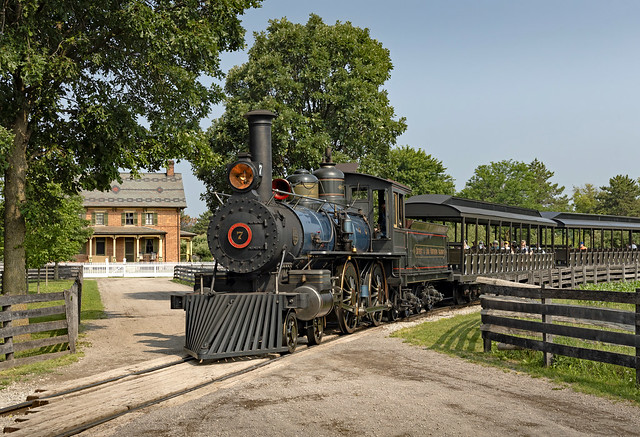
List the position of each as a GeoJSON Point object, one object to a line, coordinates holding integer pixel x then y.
{"type": "Point", "coordinates": [488, 80]}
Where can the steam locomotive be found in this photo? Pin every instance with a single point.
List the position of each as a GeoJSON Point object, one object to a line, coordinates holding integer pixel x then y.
{"type": "Point", "coordinates": [293, 253]}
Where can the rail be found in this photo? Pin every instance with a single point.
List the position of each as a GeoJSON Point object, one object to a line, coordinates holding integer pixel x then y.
{"type": "Point", "coordinates": [496, 263]}
{"type": "Point", "coordinates": [603, 257]}
{"type": "Point", "coordinates": [513, 315]}
{"type": "Point", "coordinates": [44, 319]}
{"type": "Point", "coordinates": [187, 272]}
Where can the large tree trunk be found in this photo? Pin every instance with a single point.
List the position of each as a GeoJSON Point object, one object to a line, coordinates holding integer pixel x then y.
{"type": "Point", "coordinates": [13, 280]}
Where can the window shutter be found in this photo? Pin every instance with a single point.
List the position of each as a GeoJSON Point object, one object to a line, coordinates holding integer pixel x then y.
{"type": "Point", "coordinates": [155, 218]}
{"type": "Point", "coordinates": [93, 218]}
{"type": "Point", "coordinates": [122, 218]}
{"type": "Point", "coordinates": [135, 219]}
{"type": "Point", "coordinates": [106, 218]}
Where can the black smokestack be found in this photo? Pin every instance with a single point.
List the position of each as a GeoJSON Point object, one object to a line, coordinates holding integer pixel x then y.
{"type": "Point", "coordinates": [260, 148]}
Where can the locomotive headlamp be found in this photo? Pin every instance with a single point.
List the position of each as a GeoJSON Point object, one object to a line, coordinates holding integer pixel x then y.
{"type": "Point", "coordinates": [242, 175]}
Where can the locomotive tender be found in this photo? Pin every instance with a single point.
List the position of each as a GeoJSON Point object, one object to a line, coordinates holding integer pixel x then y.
{"type": "Point", "coordinates": [350, 247]}
{"type": "Point", "coordinates": [296, 252]}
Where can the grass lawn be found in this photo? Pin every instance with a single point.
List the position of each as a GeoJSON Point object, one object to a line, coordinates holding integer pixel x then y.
{"type": "Point", "coordinates": [460, 336]}
{"type": "Point", "coordinates": [91, 309]}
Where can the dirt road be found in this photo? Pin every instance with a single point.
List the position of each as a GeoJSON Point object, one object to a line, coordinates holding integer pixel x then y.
{"type": "Point", "coordinates": [366, 384]}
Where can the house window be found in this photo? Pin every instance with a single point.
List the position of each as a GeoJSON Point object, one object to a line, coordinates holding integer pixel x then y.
{"type": "Point", "coordinates": [129, 218]}
{"type": "Point", "coordinates": [100, 218]}
{"type": "Point", "coordinates": [151, 218]}
{"type": "Point", "coordinates": [151, 245]}
{"type": "Point", "coordinates": [100, 246]}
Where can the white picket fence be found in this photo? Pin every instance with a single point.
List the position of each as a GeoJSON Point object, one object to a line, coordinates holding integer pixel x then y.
{"type": "Point", "coordinates": [129, 270]}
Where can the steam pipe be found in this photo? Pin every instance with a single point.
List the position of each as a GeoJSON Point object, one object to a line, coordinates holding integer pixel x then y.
{"type": "Point", "coordinates": [260, 148]}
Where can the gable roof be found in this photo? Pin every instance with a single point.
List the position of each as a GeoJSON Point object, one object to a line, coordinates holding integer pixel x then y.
{"type": "Point", "coordinates": [150, 190]}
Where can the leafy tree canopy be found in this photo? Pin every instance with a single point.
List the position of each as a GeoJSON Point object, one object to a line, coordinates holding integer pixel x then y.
{"type": "Point", "coordinates": [516, 183]}
{"type": "Point", "coordinates": [620, 197]}
{"type": "Point", "coordinates": [585, 199]}
{"type": "Point", "coordinates": [90, 87]}
{"type": "Point", "coordinates": [202, 223]}
{"type": "Point", "coordinates": [56, 228]}
{"type": "Point", "coordinates": [325, 84]}
{"type": "Point", "coordinates": [414, 168]}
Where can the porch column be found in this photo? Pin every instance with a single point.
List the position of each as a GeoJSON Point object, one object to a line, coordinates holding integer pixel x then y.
{"type": "Point", "coordinates": [113, 258]}
{"type": "Point", "coordinates": [138, 258]}
{"type": "Point", "coordinates": [91, 249]}
{"type": "Point", "coordinates": [159, 249]}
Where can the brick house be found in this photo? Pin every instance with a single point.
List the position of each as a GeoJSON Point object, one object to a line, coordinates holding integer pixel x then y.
{"type": "Point", "coordinates": [137, 220]}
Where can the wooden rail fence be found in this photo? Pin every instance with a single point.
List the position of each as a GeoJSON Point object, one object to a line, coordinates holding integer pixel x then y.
{"type": "Point", "coordinates": [187, 272]}
{"type": "Point", "coordinates": [499, 323]}
{"type": "Point", "coordinates": [13, 313]}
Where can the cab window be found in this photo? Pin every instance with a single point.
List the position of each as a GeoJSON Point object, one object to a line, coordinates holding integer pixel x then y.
{"type": "Point", "coordinates": [398, 201]}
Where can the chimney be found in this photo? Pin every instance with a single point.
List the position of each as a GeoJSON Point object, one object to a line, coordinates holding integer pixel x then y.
{"type": "Point", "coordinates": [170, 172]}
{"type": "Point", "coordinates": [260, 148]}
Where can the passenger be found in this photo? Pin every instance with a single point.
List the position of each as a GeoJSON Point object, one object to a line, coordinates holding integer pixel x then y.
{"type": "Point", "coordinates": [507, 247]}
{"type": "Point", "coordinates": [495, 247]}
{"type": "Point", "coordinates": [582, 246]}
{"type": "Point", "coordinates": [466, 245]}
{"type": "Point", "coordinates": [633, 246]}
{"type": "Point", "coordinates": [523, 247]}
{"type": "Point", "coordinates": [481, 245]}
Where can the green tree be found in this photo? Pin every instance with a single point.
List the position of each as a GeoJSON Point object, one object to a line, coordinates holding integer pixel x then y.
{"type": "Point", "coordinates": [186, 222]}
{"type": "Point", "coordinates": [585, 199]}
{"type": "Point", "coordinates": [56, 229]}
{"type": "Point", "coordinates": [414, 168]}
{"type": "Point", "coordinates": [516, 183]}
{"type": "Point", "coordinates": [201, 250]}
{"type": "Point", "coordinates": [620, 197]}
{"type": "Point", "coordinates": [324, 82]}
{"type": "Point", "coordinates": [202, 223]}
{"type": "Point", "coordinates": [90, 87]}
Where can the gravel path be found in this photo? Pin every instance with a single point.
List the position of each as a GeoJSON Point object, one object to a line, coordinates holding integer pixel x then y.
{"type": "Point", "coordinates": [140, 326]}
{"type": "Point", "coordinates": [366, 384]}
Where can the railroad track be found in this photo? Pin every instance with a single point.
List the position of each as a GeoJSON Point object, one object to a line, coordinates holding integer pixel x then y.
{"type": "Point", "coordinates": [88, 402]}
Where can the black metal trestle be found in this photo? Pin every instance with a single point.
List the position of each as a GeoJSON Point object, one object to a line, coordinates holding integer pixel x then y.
{"type": "Point", "coordinates": [233, 324]}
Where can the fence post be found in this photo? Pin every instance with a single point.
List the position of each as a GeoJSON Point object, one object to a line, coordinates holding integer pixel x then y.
{"type": "Point", "coordinates": [8, 341]}
{"type": "Point", "coordinates": [546, 320]}
{"type": "Point", "coordinates": [71, 309]}
{"type": "Point", "coordinates": [573, 277]}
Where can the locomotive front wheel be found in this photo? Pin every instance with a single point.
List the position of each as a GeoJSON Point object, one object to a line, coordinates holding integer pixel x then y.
{"type": "Point", "coordinates": [377, 291]}
{"type": "Point", "coordinates": [315, 331]}
{"type": "Point", "coordinates": [349, 285]}
{"type": "Point", "coordinates": [290, 332]}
